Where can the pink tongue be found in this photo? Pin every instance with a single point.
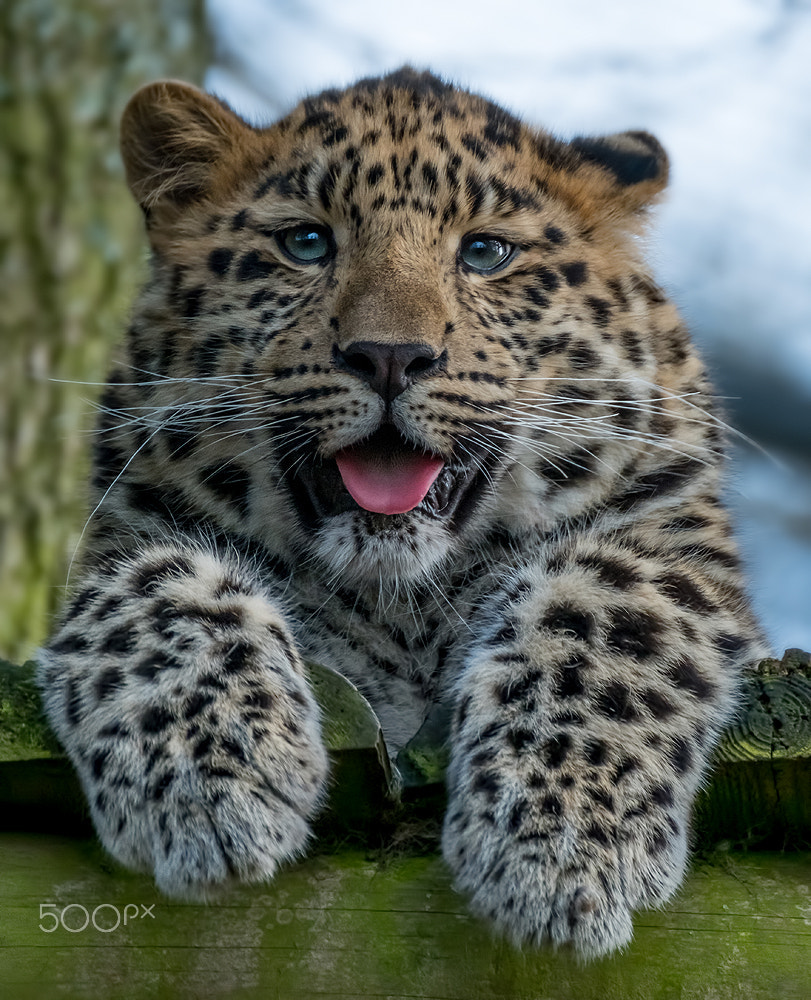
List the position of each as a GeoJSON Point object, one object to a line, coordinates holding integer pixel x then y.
{"type": "Point", "coordinates": [390, 483]}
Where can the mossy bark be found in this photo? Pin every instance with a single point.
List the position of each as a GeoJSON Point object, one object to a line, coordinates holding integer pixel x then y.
{"type": "Point", "coordinates": [71, 251]}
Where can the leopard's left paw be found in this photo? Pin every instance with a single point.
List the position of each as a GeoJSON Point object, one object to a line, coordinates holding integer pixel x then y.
{"type": "Point", "coordinates": [551, 883]}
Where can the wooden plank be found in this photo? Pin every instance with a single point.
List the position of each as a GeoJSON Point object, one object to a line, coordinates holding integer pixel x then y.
{"type": "Point", "coordinates": [764, 804]}
{"type": "Point", "coordinates": [759, 795]}
{"type": "Point", "coordinates": [351, 926]}
{"type": "Point", "coordinates": [774, 720]}
{"type": "Point", "coordinates": [40, 791]}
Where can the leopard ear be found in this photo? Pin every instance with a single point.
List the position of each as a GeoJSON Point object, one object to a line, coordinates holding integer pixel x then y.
{"type": "Point", "coordinates": [174, 141]}
{"type": "Point", "coordinates": [634, 163]}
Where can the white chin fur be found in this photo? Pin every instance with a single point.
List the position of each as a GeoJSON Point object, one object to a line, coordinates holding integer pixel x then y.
{"type": "Point", "coordinates": [362, 557]}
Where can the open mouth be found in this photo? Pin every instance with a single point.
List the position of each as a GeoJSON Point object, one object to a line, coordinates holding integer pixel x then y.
{"type": "Point", "coordinates": [384, 475]}
{"type": "Point", "coordinates": [387, 476]}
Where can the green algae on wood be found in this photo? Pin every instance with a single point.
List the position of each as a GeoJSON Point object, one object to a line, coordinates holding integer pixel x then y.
{"type": "Point", "coordinates": [351, 927]}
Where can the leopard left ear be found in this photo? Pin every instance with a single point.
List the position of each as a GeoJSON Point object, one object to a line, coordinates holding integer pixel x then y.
{"type": "Point", "coordinates": [633, 162]}
{"type": "Point", "coordinates": [176, 141]}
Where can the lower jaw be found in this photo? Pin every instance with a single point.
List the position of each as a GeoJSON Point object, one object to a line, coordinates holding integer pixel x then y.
{"type": "Point", "coordinates": [386, 556]}
{"type": "Point", "coordinates": [456, 503]}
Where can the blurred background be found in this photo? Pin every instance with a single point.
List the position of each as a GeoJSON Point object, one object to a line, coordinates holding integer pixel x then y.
{"type": "Point", "coordinates": [726, 86]}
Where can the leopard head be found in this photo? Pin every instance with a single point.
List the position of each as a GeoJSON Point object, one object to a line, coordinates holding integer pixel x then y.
{"type": "Point", "coordinates": [353, 312]}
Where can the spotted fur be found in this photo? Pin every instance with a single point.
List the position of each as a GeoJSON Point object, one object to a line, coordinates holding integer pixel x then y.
{"type": "Point", "coordinates": [568, 589]}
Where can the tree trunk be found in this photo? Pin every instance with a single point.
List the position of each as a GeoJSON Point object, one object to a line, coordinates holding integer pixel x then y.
{"type": "Point", "coordinates": [70, 256]}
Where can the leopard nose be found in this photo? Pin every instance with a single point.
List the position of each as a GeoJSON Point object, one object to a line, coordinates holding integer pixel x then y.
{"type": "Point", "coordinates": [389, 369]}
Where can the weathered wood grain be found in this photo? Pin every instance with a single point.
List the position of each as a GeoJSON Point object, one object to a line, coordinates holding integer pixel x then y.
{"type": "Point", "coordinates": [774, 721]}
{"type": "Point", "coordinates": [348, 926]}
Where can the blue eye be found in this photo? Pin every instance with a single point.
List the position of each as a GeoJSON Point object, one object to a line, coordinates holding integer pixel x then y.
{"type": "Point", "coordinates": [307, 243]}
{"type": "Point", "coordinates": [484, 254]}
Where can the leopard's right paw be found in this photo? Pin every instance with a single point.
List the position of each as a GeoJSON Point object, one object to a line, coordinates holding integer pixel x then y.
{"type": "Point", "coordinates": [228, 816]}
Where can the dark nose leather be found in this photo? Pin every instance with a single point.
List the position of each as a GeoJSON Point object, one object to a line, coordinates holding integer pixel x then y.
{"type": "Point", "coordinates": [389, 369]}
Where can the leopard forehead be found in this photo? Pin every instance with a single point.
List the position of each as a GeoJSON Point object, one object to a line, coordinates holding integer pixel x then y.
{"type": "Point", "coordinates": [404, 142]}
{"type": "Point", "coordinates": [362, 156]}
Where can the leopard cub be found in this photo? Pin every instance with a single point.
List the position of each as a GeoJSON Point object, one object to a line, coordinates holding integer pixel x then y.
{"type": "Point", "coordinates": [399, 396]}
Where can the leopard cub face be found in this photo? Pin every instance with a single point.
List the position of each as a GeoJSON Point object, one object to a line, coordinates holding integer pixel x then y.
{"type": "Point", "coordinates": [383, 325]}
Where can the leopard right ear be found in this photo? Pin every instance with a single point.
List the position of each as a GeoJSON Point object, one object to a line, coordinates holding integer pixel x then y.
{"type": "Point", "coordinates": [176, 141]}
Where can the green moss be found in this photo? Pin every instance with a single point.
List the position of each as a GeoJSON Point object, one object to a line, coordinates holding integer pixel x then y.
{"type": "Point", "coordinates": [24, 732]}
{"type": "Point", "coordinates": [346, 927]}
{"type": "Point", "coordinates": [429, 763]}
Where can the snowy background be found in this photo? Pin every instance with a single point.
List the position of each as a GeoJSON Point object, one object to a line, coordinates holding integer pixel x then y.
{"type": "Point", "coordinates": [726, 86]}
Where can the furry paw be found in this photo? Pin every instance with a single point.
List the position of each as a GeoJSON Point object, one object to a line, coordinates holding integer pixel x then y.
{"type": "Point", "coordinates": [235, 816]}
{"type": "Point", "coordinates": [177, 690]}
{"type": "Point", "coordinates": [533, 898]}
{"type": "Point", "coordinates": [541, 879]}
